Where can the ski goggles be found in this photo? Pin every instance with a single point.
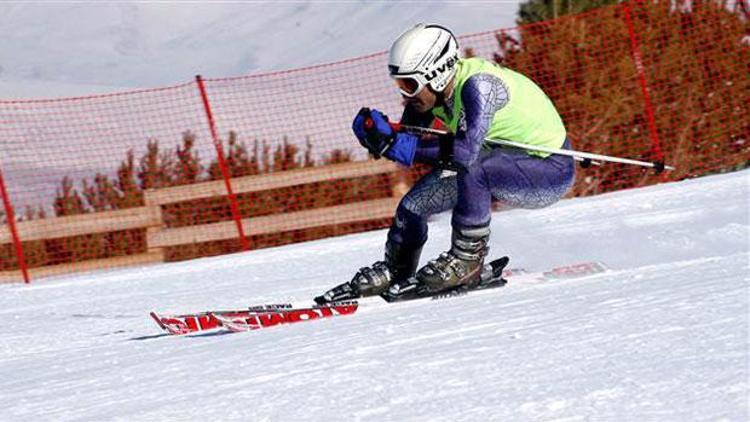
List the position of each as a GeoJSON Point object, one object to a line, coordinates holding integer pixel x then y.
{"type": "Point", "coordinates": [409, 85]}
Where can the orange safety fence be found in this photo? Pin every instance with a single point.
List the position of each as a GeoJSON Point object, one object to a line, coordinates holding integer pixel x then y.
{"type": "Point", "coordinates": [220, 165]}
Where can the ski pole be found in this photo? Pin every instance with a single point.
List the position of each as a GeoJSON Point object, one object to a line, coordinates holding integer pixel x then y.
{"type": "Point", "coordinates": [398, 127]}
{"type": "Point", "coordinates": [585, 162]}
{"type": "Point", "coordinates": [586, 157]}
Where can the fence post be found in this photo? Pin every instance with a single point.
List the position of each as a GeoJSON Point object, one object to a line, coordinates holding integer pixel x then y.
{"type": "Point", "coordinates": [233, 204]}
{"type": "Point", "coordinates": [10, 215]}
{"type": "Point", "coordinates": [155, 209]}
{"type": "Point", "coordinates": [638, 60]}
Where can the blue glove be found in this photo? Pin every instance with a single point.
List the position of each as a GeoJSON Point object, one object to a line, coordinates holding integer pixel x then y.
{"type": "Point", "coordinates": [376, 135]}
{"type": "Point", "coordinates": [380, 139]}
{"type": "Point", "coordinates": [358, 125]}
{"type": "Point", "coordinates": [403, 148]}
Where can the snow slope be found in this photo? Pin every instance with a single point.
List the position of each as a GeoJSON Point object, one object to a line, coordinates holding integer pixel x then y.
{"type": "Point", "coordinates": [146, 44]}
{"type": "Point", "coordinates": [662, 336]}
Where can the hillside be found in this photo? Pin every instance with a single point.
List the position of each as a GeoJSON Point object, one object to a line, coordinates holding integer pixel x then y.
{"type": "Point", "coordinates": [49, 48]}
{"type": "Point", "coordinates": [661, 336]}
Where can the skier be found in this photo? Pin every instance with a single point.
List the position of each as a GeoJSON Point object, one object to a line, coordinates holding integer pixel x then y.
{"type": "Point", "coordinates": [476, 99]}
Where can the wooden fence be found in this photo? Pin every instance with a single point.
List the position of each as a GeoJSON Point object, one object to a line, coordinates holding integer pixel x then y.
{"type": "Point", "coordinates": [159, 237]}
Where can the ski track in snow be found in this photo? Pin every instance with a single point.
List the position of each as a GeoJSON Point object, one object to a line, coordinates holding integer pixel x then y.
{"type": "Point", "coordinates": [661, 336]}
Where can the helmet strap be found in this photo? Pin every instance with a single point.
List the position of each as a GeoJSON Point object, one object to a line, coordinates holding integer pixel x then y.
{"type": "Point", "coordinates": [441, 99]}
{"type": "Point", "coordinates": [450, 86]}
{"type": "Point", "coordinates": [441, 95]}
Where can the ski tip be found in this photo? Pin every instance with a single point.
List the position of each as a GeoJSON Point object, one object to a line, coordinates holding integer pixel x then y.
{"type": "Point", "coordinates": [168, 327]}
{"type": "Point", "coordinates": [158, 320]}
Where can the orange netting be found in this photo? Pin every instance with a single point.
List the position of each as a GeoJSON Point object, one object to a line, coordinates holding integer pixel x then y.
{"type": "Point", "coordinates": [225, 164]}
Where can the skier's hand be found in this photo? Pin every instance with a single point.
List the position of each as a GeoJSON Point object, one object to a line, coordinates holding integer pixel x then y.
{"type": "Point", "coordinates": [373, 131]}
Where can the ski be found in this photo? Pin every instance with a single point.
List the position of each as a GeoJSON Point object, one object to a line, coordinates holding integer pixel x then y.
{"type": "Point", "coordinates": [491, 279]}
{"type": "Point", "coordinates": [191, 323]}
{"type": "Point", "coordinates": [270, 315]}
{"type": "Point", "coordinates": [286, 315]}
{"type": "Point", "coordinates": [251, 318]}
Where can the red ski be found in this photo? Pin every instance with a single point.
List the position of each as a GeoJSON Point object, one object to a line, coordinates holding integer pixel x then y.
{"type": "Point", "coordinates": [265, 316]}
{"type": "Point", "coordinates": [252, 318]}
{"type": "Point", "coordinates": [270, 318]}
{"type": "Point", "coordinates": [190, 323]}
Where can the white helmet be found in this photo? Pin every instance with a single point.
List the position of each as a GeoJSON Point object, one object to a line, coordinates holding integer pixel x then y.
{"type": "Point", "coordinates": [423, 55]}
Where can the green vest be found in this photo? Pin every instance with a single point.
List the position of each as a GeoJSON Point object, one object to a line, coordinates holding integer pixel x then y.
{"type": "Point", "coordinates": [529, 117]}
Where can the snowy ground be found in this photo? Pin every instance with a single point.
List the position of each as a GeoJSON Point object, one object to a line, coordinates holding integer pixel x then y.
{"type": "Point", "coordinates": [663, 336]}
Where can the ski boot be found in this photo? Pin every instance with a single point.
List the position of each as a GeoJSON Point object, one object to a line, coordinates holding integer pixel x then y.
{"type": "Point", "coordinates": [400, 263]}
{"type": "Point", "coordinates": [462, 265]}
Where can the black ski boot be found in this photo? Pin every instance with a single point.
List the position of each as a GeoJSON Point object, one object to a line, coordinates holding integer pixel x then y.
{"type": "Point", "coordinates": [461, 265]}
{"type": "Point", "coordinates": [400, 263]}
